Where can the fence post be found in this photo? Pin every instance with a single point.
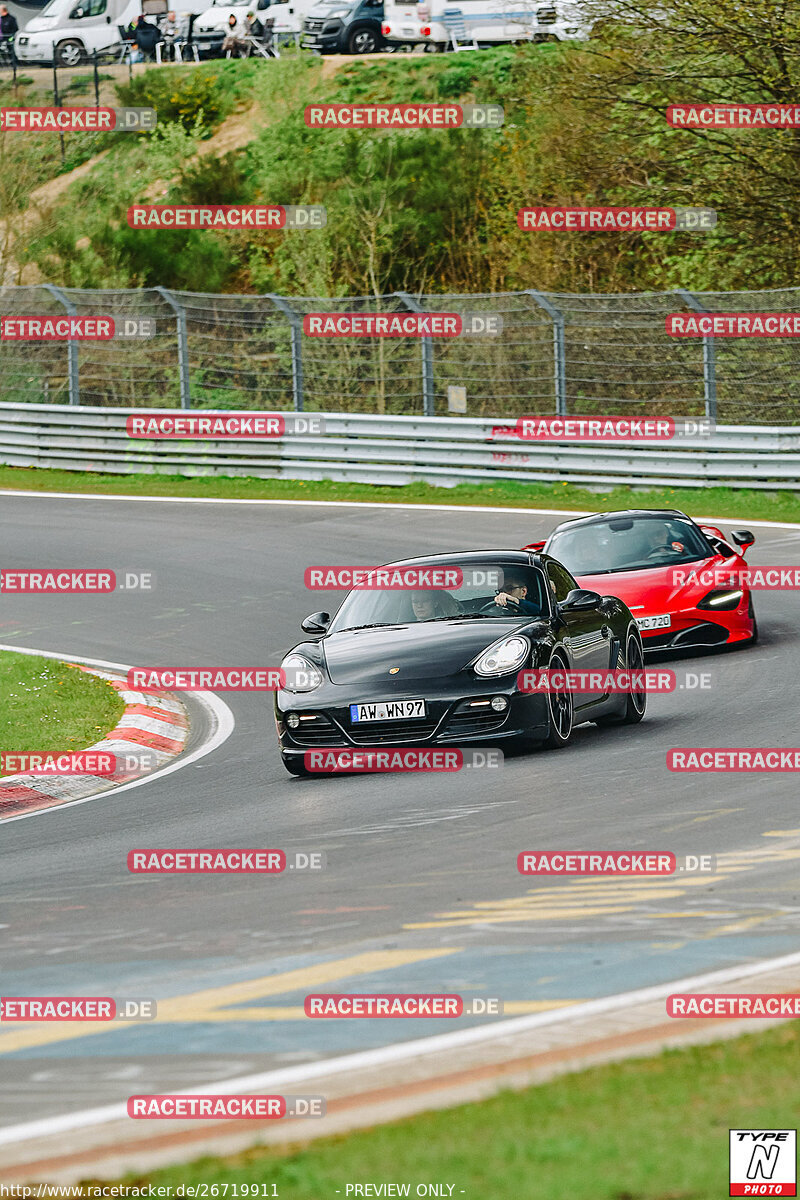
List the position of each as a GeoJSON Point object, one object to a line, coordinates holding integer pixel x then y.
{"type": "Point", "coordinates": [183, 345]}
{"type": "Point", "coordinates": [72, 346]}
{"type": "Point", "coordinates": [428, 399]}
{"type": "Point", "coordinates": [709, 357]}
{"type": "Point", "coordinates": [297, 348]}
{"type": "Point", "coordinates": [559, 350]}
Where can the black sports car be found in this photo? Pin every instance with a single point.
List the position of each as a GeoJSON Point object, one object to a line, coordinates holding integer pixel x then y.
{"type": "Point", "coordinates": [439, 667]}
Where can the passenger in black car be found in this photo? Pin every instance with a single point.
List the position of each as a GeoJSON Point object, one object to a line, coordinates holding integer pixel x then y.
{"type": "Point", "coordinates": [431, 604]}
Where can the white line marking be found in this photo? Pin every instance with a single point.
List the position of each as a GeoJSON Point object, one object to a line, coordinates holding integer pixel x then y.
{"type": "Point", "coordinates": [273, 1080]}
{"type": "Point", "coordinates": [465, 508]}
{"type": "Point", "coordinates": [222, 726]}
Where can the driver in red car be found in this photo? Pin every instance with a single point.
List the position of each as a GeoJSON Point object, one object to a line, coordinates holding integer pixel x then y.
{"type": "Point", "coordinates": [659, 538]}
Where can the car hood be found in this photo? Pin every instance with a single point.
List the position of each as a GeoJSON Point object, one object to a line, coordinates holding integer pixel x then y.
{"type": "Point", "coordinates": [650, 591]}
{"type": "Point", "coordinates": [433, 651]}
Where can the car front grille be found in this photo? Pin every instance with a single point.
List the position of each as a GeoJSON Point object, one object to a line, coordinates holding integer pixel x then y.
{"type": "Point", "coordinates": [384, 733]}
{"type": "Point", "coordinates": [703, 634]}
{"type": "Point", "coordinates": [313, 26]}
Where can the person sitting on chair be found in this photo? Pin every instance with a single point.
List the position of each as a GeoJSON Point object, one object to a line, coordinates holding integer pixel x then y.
{"type": "Point", "coordinates": [254, 27]}
{"type": "Point", "coordinates": [146, 37]}
{"type": "Point", "coordinates": [235, 42]}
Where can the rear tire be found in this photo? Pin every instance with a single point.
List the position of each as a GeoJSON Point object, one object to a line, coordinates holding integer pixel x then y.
{"type": "Point", "coordinates": [636, 702]}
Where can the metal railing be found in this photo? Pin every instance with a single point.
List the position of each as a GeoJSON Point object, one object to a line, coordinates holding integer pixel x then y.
{"type": "Point", "coordinates": [557, 353]}
{"type": "Point", "coordinates": [365, 448]}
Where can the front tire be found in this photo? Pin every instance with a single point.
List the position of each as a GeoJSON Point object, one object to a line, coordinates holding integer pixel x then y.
{"type": "Point", "coordinates": [751, 612]}
{"type": "Point", "coordinates": [363, 41]}
{"type": "Point", "coordinates": [561, 711]}
{"type": "Point", "coordinates": [70, 53]}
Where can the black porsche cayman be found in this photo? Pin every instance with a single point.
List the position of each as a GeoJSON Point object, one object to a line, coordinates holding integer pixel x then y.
{"type": "Point", "coordinates": [438, 666]}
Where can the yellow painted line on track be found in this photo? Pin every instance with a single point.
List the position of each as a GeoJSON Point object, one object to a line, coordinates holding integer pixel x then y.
{"type": "Point", "coordinates": [596, 896]}
{"type": "Point", "coordinates": [212, 1003]}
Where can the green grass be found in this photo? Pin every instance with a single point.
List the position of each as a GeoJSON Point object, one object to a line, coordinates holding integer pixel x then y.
{"type": "Point", "coordinates": [48, 706]}
{"type": "Point", "coordinates": [645, 1129]}
{"type": "Point", "coordinates": [717, 502]}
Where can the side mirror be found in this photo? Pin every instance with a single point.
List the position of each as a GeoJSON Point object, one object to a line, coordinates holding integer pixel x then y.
{"type": "Point", "coordinates": [317, 623]}
{"type": "Point", "coordinates": [743, 538]}
{"type": "Point", "coordinates": [76, 14]}
{"type": "Point", "coordinates": [580, 599]}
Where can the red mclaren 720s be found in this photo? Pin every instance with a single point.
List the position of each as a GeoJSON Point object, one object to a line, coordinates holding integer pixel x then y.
{"type": "Point", "coordinates": [680, 580]}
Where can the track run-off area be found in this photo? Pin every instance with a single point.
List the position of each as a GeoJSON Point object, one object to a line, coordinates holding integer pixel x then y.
{"type": "Point", "coordinates": [421, 891]}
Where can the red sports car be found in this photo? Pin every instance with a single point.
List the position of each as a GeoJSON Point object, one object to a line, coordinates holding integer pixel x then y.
{"type": "Point", "coordinates": [679, 579]}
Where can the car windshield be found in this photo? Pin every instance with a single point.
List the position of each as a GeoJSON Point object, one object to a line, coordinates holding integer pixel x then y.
{"type": "Point", "coordinates": [474, 591]}
{"type": "Point", "coordinates": [628, 544]}
{"type": "Point", "coordinates": [57, 8]}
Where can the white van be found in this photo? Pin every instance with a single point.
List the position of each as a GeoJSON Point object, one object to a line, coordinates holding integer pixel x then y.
{"type": "Point", "coordinates": [485, 22]}
{"type": "Point", "coordinates": [211, 27]}
{"type": "Point", "coordinates": [68, 31]}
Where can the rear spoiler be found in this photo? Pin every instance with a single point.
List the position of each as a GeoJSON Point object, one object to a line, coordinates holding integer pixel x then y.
{"type": "Point", "coordinates": [536, 546]}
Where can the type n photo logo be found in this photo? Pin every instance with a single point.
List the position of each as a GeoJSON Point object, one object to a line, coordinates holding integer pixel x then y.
{"type": "Point", "coordinates": [763, 1162]}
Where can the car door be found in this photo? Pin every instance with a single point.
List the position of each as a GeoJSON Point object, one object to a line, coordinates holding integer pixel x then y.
{"type": "Point", "coordinates": [587, 636]}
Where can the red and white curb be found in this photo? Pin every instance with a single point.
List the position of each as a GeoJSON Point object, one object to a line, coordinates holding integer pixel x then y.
{"type": "Point", "coordinates": [152, 730]}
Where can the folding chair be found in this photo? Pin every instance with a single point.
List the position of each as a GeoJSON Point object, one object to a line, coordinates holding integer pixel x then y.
{"type": "Point", "coordinates": [187, 45]}
{"type": "Point", "coordinates": [7, 52]}
{"type": "Point", "coordinates": [265, 45]}
{"type": "Point", "coordinates": [458, 38]}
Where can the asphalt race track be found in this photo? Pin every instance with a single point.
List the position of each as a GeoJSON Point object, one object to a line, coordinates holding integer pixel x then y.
{"type": "Point", "coordinates": [421, 891]}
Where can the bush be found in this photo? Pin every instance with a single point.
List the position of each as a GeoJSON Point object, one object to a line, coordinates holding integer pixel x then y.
{"type": "Point", "coordinates": [190, 97]}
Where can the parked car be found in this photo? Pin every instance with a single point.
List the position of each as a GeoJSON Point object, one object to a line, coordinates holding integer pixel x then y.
{"type": "Point", "coordinates": [342, 27]}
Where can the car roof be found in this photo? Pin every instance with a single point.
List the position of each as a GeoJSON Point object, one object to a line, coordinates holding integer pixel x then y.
{"type": "Point", "coordinates": [631, 513]}
{"type": "Point", "coordinates": [520, 558]}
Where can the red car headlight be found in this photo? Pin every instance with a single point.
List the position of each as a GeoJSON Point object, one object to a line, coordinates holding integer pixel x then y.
{"type": "Point", "coordinates": [721, 601]}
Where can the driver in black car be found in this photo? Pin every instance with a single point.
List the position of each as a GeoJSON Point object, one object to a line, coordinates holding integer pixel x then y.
{"type": "Point", "coordinates": [512, 597]}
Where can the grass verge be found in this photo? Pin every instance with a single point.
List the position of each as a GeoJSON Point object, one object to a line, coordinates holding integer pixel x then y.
{"type": "Point", "coordinates": [645, 1129]}
{"type": "Point", "coordinates": [717, 502]}
{"type": "Point", "coordinates": [48, 706]}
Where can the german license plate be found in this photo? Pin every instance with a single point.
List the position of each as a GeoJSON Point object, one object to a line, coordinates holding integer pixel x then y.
{"type": "Point", "coordinates": [662, 622]}
{"type": "Point", "coordinates": [387, 710]}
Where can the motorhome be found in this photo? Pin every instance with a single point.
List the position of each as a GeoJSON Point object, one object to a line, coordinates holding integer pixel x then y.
{"type": "Point", "coordinates": [448, 24]}
{"type": "Point", "coordinates": [211, 27]}
{"type": "Point", "coordinates": [67, 32]}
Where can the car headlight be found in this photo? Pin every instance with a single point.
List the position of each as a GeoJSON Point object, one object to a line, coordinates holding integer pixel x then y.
{"type": "Point", "coordinates": [301, 674]}
{"type": "Point", "coordinates": [503, 656]}
{"type": "Point", "coordinates": [721, 600]}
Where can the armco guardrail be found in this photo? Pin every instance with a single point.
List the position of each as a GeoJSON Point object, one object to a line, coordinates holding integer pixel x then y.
{"type": "Point", "coordinates": [555, 353]}
{"type": "Point", "coordinates": [376, 449]}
